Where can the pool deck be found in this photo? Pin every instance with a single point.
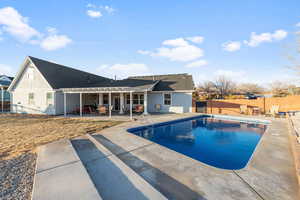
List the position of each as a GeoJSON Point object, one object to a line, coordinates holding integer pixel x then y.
{"type": "Point", "coordinates": [270, 174]}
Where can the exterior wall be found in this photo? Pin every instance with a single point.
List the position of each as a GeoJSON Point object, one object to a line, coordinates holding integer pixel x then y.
{"type": "Point", "coordinates": [73, 102]}
{"type": "Point", "coordinates": [36, 85]}
{"type": "Point", "coordinates": [232, 107]}
{"type": "Point", "coordinates": [181, 102]}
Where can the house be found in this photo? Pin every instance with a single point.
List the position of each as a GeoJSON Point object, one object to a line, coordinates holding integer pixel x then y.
{"type": "Point", "coordinates": [5, 81]}
{"type": "Point", "coordinates": [43, 87]}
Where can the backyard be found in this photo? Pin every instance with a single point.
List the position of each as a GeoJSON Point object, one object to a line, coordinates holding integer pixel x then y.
{"type": "Point", "coordinates": [21, 134]}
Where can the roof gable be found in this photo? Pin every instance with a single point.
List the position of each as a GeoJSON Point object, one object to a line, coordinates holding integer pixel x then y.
{"type": "Point", "coordinates": [59, 76]}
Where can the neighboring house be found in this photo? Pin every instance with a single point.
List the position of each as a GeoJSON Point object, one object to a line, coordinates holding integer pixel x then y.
{"type": "Point", "coordinates": [5, 81]}
{"type": "Point", "coordinates": [43, 87]}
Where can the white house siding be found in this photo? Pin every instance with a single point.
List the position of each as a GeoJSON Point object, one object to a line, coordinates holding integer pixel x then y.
{"type": "Point", "coordinates": [36, 85]}
{"type": "Point", "coordinates": [181, 102]}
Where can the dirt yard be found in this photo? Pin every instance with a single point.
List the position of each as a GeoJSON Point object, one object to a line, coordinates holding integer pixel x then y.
{"type": "Point", "coordinates": [23, 133]}
{"type": "Point", "coordinates": [19, 137]}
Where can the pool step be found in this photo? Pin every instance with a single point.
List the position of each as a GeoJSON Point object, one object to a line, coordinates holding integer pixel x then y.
{"type": "Point", "coordinates": [60, 174]}
{"type": "Point", "coordinates": [113, 178]}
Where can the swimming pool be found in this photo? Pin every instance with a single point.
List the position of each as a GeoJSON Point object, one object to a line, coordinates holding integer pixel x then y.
{"type": "Point", "coordinates": [225, 144]}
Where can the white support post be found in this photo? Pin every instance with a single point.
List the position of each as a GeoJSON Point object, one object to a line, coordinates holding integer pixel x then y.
{"type": "Point", "coordinates": [121, 103]}
{"type": "Point", "coordinates": [109, 104]}
{"type": "Point", "coordinates": [80, 104]}
{"type": "Point", "coordinates": [100, 99]}
{"type": "Point", "coordinates": [2, 99]}
{"type": "Point", "coordinates": [145, 103]}
{"type": "Point", "coordinates": [65, 105]}
{"type": "Point", "coordinates": [131, 105]}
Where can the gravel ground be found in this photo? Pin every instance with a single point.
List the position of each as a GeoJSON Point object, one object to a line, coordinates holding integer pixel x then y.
{"type": "Point", "coordinates": [16, 177]}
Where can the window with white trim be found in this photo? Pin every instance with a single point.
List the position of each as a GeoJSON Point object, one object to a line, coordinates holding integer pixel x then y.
{"type": "Point", "coordinates": [135, 99]}
{"type": "Point", "coordinates": [31, 99]}
{"type": "Point", "coordinates": [105, 98]}
{"type": "Point", "coordinates": [127, 99]}
{"type": "Point", "coordinates": [167, 99]}
{"type": "Point", "coordinates": [49, 98]}
{"type": "Point", "coordinates": [141, 99]}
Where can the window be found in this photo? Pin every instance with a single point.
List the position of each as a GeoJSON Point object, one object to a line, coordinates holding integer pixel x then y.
{"type": "Point", "coordinates": [31, 99]}
{"type": "Point", "coordinates": [141, 99]}
{"type": "Point", "coordinates": [127, 99]}
{"type": "Point", "coordinates": [167, 99]}
{"type": "Point", "coordinates": [135, 99]}
{"type": "Point", "coordinates": [105, 99]}
{"type": "Point", "coordinates": [30, 73]}
{"type": "Point", "coordinates": [49, 97]}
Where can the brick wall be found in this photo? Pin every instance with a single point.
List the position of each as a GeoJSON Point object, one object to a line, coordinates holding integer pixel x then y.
{"type": "Point", "coordinates": [232, 107]}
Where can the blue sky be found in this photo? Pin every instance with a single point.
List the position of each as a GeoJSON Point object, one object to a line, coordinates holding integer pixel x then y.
{"type": "Point", "coordinates": [247, 40]}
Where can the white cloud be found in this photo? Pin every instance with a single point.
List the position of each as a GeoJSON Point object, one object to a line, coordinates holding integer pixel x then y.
{"type": "Point", "coordinates": [51, 30]}
{"type": "Point", "coordinates": [90, 5]}
{"type": "Point", "coordinates": [54, 42]}
{"type": "Point", "coordinates": [5, 70]}
{"type": "Point", "coordinates": [182, 53]}
{"type": "Point", "coordinates": [298, 24]}
{"type": "Point", "coordinates": [196, 39]}
{"type": "Point", "coordinates": [176, 42]}
{"type": "Point", "coordinates": [179, 50]}
{"type": "Point", "coordinates": [94, 13]}
{"type": "Point", "coordinates": [16, 25]}
{"type": "Point", "coordinates": [198, 63]}
{"type": "Point", "coordinates": [279, 35]}
{"type": "Point", "coordinates": [231, 46]}
{"type": "Point", "coordinates": [123, 70]}
{"type": "Point", "coordinates": [109, 9]}
{"type": "Point", "coordinates": [256, 39]}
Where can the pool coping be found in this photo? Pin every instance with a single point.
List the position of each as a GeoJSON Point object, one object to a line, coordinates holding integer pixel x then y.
{"type": "Point", "coordinates": [220, 117]}
{"type": "Point", "coordinates": [254, 175]}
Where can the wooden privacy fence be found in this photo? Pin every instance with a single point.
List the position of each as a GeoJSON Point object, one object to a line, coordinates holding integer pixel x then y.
{"type": "Point", "coordinates": [6, 106]}
{"type": "Point", "coordinates": [233, 106]}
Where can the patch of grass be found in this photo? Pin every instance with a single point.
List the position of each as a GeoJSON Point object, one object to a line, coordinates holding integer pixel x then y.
{"type": "Point", "coordinates": [23, 133]}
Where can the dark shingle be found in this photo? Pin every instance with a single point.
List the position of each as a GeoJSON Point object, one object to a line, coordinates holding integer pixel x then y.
{"type": "Point", "coordinates": [59, 76]}
{"type": "Point", "coordinates": [169, 82]}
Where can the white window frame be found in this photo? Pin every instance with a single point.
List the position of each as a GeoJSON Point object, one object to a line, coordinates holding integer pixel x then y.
{"type": "Point", "coordinates": [170, 99]}
{"type": "Point", "coordinates": [31, 102]}
{"type": "Point", "coordinates": [50, 100]}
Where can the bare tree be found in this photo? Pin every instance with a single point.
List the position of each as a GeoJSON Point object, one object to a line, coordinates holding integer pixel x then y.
{"type": "Point", "coordinates": [250, 88]}
{"type": "Point", "coordinates": [280, 88]}
{"type": "Point", "coordinates": [207, 87]}
{"type": "Point", "coordinates": [224, 85]}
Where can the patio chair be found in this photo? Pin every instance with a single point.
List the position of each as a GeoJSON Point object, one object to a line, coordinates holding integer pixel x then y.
{"type": "Point", "coordinates": [102, 110]}
{"type": "Point", "coordinates": [157, 107]}
{"type": "Point", "coordinates": [274, 110]}
{"type": "Point", "coordinates": [244, 109]}
{"type": "Point", "coordinates": [139, 109]}
{"type": "Point", "coordinates": [92, 110]}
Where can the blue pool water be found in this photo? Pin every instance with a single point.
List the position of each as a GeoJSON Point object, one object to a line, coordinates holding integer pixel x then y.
{"type": "Point", "coordinates": [219, 143]}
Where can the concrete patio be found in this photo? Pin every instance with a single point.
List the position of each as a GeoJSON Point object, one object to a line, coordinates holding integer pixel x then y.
{"type": "Point", "coordinates": [270, 174]}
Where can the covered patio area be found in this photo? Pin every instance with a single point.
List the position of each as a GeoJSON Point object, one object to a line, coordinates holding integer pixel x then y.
{"type": "Point", "coordinates": [108, 101]}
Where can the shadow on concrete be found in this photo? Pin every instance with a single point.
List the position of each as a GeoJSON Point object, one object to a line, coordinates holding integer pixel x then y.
{"type": "Point", "coordinates": [110, 181]}
{"type": "Point", "coordinates": [168, 186]}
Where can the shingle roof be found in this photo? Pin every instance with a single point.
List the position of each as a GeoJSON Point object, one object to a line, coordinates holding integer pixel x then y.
{"type": "Point", "coordinates": [170, 82]}
{"type": "Point", "coordinates": [5, 80]}
{"type": "Point", "coordinates": [59, 76]}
